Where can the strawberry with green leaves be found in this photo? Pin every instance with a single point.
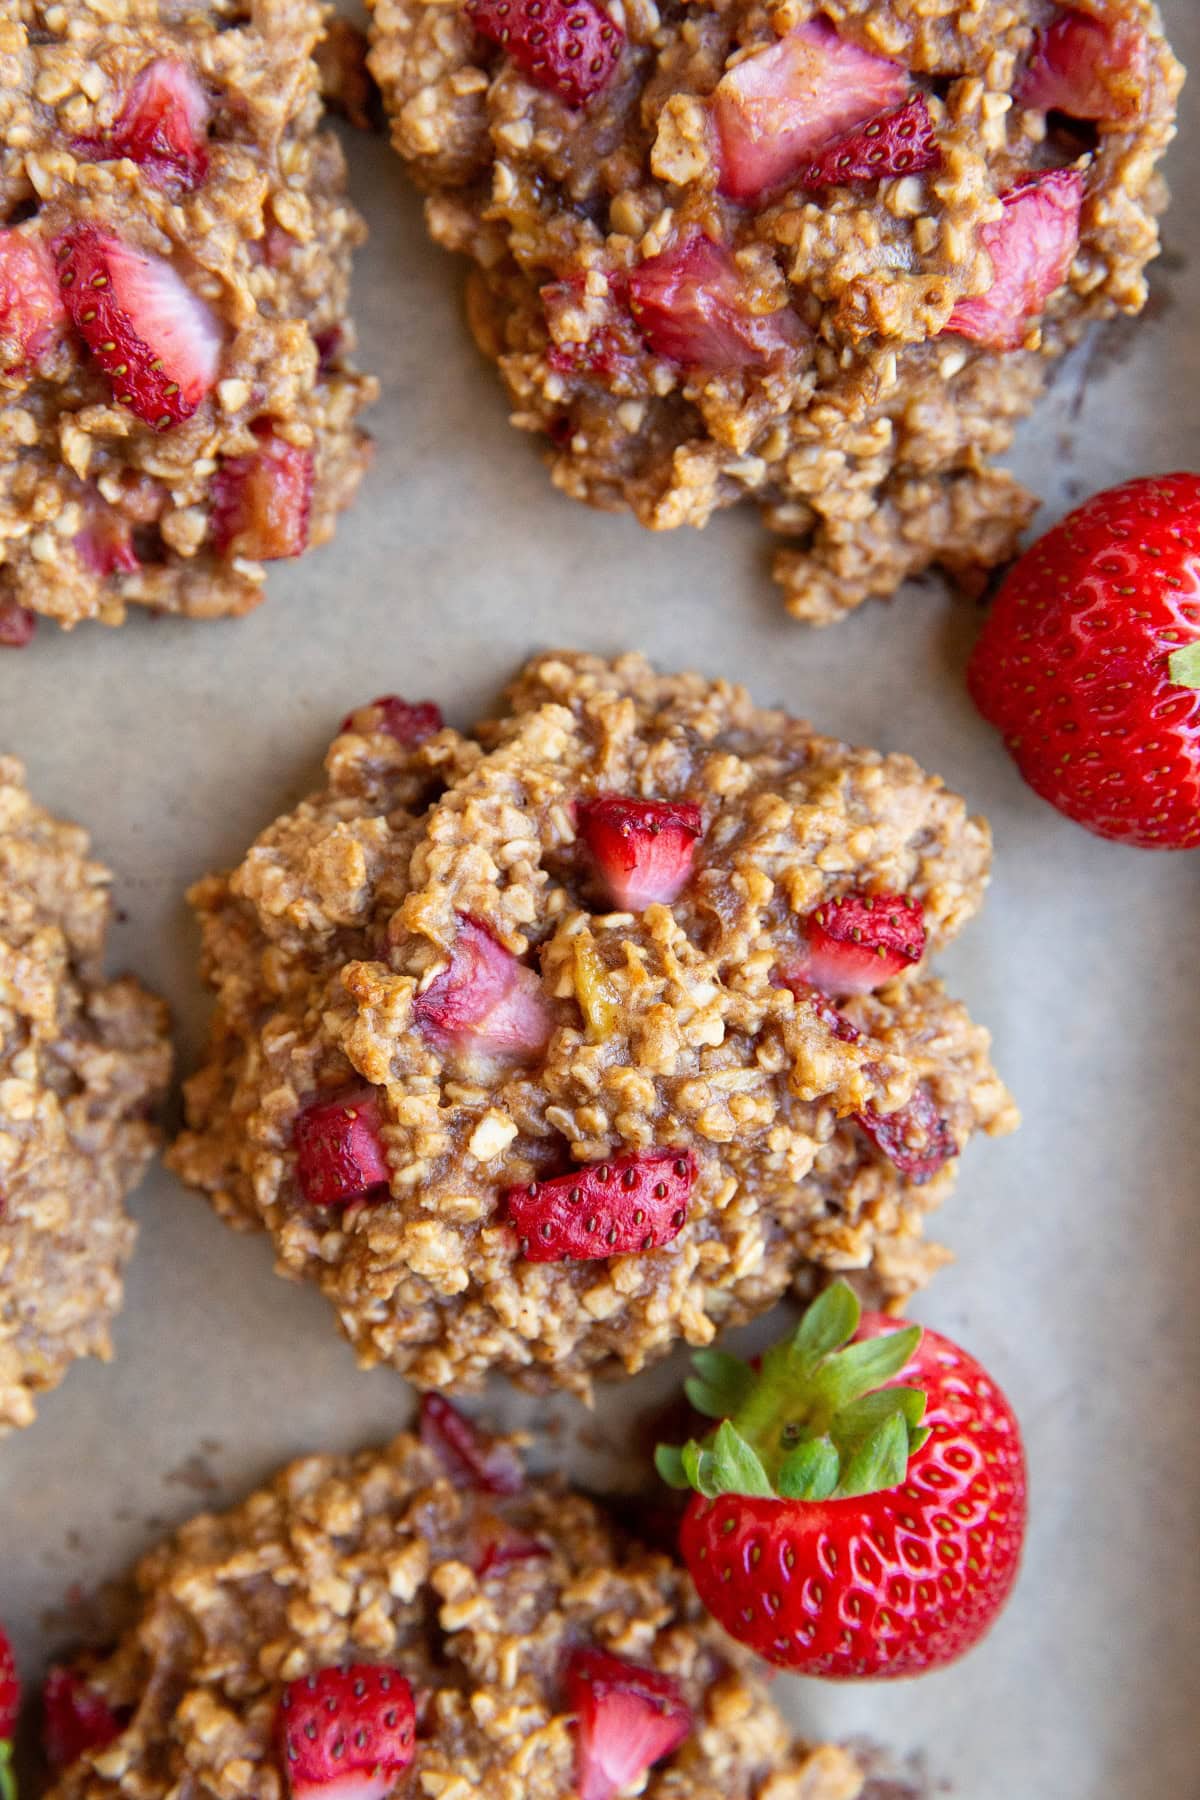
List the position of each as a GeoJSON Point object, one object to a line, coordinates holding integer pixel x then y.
{"type": "Point", "coordinates": [859, 1510]}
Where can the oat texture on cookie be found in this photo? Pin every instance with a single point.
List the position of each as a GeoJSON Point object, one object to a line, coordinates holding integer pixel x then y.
{"type": "Point", "coordinates": [83, 1061]}
{"type": "Point", "coordinates": [481, 1602]}
{"type": "Point", "coordinates": [179, 407]}
{"type": "Point", "coordinates": [818, 256]}
{"type": "Point", "coordinates": [542, 1048]}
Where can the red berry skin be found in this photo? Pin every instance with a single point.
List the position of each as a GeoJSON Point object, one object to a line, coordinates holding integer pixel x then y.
{"type": "Point", "coordinates": [900, 142]}
{"type": "Point", "coordinates": [163, 127]}
{"type": "Point", "coordinates": [692, 306]}
{"type": "Point", "coordinates": [339, 1150]}
{"type": "Point", "coordinates": [916, 1139]}
{"type": "Point", "coordinates": [75, 1719]}
{"type": "Point", "coordinates": [346, 1731]}
{"type": "Point", "coordinates": [10, 1688]}
{"type": "Point", "coordinates": [1031, 246]}
{"type": "Point", "coordinates": [472, 1458]}
{"type": "Point", "coordinates": [570, 47]}
{"type": "Point", "coordinates": [1088, 68]}
{"type": "Point", "coordinates": [17, 625]}
{"type": "Point", "coordinates": [1072, 664]}
{"type": "Point", "coordinates": [642, 849]}
{"type": "Point", "coordinates": [627, 1719]}
{"type": "Point", "coordinates": [895, 1583]}
{"type": "Point", "coordinates": [261, 503]}
{"type": "Point", "coordinates": [31, 309]}
{"type": "Point", "coordinates": [408, 722]}
{"type": "Point", "coordinates": [860, 941]}
{"type": "Point", "coordinates": [623, 1207]}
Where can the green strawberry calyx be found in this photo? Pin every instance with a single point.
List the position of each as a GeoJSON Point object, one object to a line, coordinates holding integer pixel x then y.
{"type": "Point", "coordinates": [8, 1781]}
{"type": "Point", "coordinates": [814, 1423]}
{"type": "Point", "coordinates": [1185, 666]}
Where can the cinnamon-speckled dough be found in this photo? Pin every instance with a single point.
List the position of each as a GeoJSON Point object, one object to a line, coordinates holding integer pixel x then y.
{"type": "Point", "coordinates": [82, 1062]}
{"type": "Point", "coordinates": [344, 910]}
{"type": "Point", "coordinates": [870, 452]}
{"type": "Point", "coordinates": [375, 1558]}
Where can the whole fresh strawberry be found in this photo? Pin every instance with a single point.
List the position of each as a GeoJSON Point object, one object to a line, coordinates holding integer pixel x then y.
{"type": "Point", "coordinates": [846, 1523]}
{"type": "Point", "coordinates": [346, 1733]}
{"type": "Point", "coordinates": [1089, 664]}
{"type": "Point", "coordinates": [10, 1700]}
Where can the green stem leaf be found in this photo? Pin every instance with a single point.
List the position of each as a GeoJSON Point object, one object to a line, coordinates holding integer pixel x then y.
{"type": "Point", "coordinates": [809, 1472]}
{"type": "Point", "coordinates": [737, 1467]}
{"type": "Point", "coordinates": [8, 1781]}
{"type": "Point", "coordinates": [1185, 666]}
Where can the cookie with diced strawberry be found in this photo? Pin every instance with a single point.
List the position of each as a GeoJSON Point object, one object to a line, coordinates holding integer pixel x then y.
{"type": "Point", "coordinates": [540, 1047]}
{"type": "Point", "coordinates": [818, 258]}
{"type": "Point", "coordinates": [419, 1619]}
{"type": "Point", "coordinates": [172, 312]}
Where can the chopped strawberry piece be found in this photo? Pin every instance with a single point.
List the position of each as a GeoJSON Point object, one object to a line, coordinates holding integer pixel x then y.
{"type": "Point", "coordinates": [694, 306]}
{"type": "Point", "coordinates": [329, 344]}
{"type": "Point", "coordinates": [346, 1734]}
{"type": "Point", "coordinates": [473, 1459]}
{"type": "Point", "coordinates": [75, 1719]}
{"type": "Point", "coordinates": [894, 143]}
{"type": "Point", "coordinates": [163, 127]}
{"type": "Point", "coordinates": [10, 1695]}
{"type": "Point", "coordinates": [611, 347]}
{"type": "Point", "coordinates": [857, 943]}
{"type": "Point", "coordinates": [776, 107]}
{"type": "Point", "coordinates": [31, 308]}
{"type": "Point", "coordinates": [158, 344]}
{"type": "Point", "coordinates": [571, 47]}
{"type": "Point", "coordinates": [1031, 248]}
{"type": "Point", "coordinates": [105, 545]}
{"type": "Point", "coordinates": [634, 1203]}
{"type": "Point", "coordinates": [339, 1151]}
{"type": "Point", "coordinates": [1088, 68]}
{"type": "Point", "coordinates": [261, 503]}
{"type": "Point", "coordinates": [627, 1717]}
{"type": "Point", "coordinates": [485, 1000]}
{"type": "Point", "coordinates": [17, 625]}
{"type": "Point", "coordinates": [502, 1546]}
{"type": "Point", "coordinates": [916, 1139]}
{"type": "Point", "coordinates": [643, 849]}
{"type": "Point", "coordinates": [407, 721]}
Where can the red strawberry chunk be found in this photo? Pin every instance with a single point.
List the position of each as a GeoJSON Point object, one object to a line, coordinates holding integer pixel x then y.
{"type": "Point", "coordinates": [634, 1203]}
{"type": "Point", "coordinates": [75, 1719]}
{"type": "Point", "coordinates": [485, 1000]}
{"type": "Point", "coordinates": [571, 47]}
{"type": "Point", "coordinates": [10, 1690]}
{"type": "Point", "coordinates": [502, 1547]}
{"type": "Point", "coordinates": [473, 1459]}
{"type": "Point", "coordinates": [339, 1151]}
{"type": "Point", "coordinates": [776, 107]}
{"type": "Point", "coordinates": [346, 1734]}
{"type": "Point", "coordinates": [916, 1139]}
{"type": "Point", "coordinates": [611, 347]}
{"type": "Point", "coordinates": [893, 143]}
{"type": "Point", "coordinates": [1031, 248]}
{"type": "Point", "coordinates": [643, 849]}
{"type": "Point", "coordinates": [163, 127]}
{"type": "Point", "coordinates": [17, 625]}
{"type": "Point", "coordinates": [261, 503]}
{"type": "Point", "coordinates": [105, 545]}
{"type": "Point", "coordinates": [1088, 68]}
{"type": "Point", "coordinates": [407, 721]}
{"type": "Point", "coordinates": [694, 306]}
{"type": "Point", "coordinates": [158, 344]}
{"type": "Point", "coordinates": [627, 1718]}
{"type": "Point", "coordinates": [857, 943]}
{"type": "Point", "coordinates": [31, 308]}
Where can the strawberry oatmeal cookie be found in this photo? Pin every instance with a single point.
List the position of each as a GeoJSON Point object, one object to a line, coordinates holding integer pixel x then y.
{"type": "Point", "coordinates": [174, 263]}
{"type": "Point", "coordinates": [542, 1048]}
{"type": "Point", "coordinates": [818, 255]}
{"type": "Point", "coordinates": [420, 1619]}
{"type": "Point", "coordinates": [82, 1063]}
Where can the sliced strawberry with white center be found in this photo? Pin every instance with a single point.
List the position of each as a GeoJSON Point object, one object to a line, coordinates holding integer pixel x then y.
{"type": "Point", "coordinates": [261, 503]}
{"type": "Point", "coordinates": [776, 107]}
{"type": "Point", "coordinates": [407, 721]}
{"type": "Point", "coordinates": [159, 345]}
{"type": "Point", "coordinates": [75, 1719]}
{"type": "Point", "coordinates": [893, 143]}
{"type": "Point", "coordinates": [339, 1149]}
{"type": "Point", "coordinates": [627, 1719]}
{"type": "Point", "coordinates": [346, 1734]}
{"type": "Point", "coordinates": [485, 1000]}
{"type": "Point", "coordinates": [17, 625]}
{"type": "Point", "coordinates": [916, 1140]}
{"type": "Point", "coordinates": [858, 942]}
{"type": "Point", "coordinates": [1031, 249]}
{"type": "Point", "coordinates": [163, 127]}
{"type": "Point", "coordinates": [1088, 68]}
{"type": "Point", "coordinates": [473, 1459]}
{"type": "Point", "coordinates": [105, 545]}
{"type": "Point", "coordinates": [631, 1204]}
{"type": "Point", "coordinates": [31, 308]}
{"type": "Point", "coordinates": [643, 849]}
{"type": "Point", "coordinates": [693, 305]}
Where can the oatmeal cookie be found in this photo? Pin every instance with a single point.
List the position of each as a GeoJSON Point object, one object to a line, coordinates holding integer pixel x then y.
{"type": "Point", "coordinates": [82, 1062]}
{"type": "Point", "coordinates": [819, 255]}
{"type": "Point", "coordinates": [526, 1047]}
{"type": "Point", "coordinates": [484, 1603]}
{"type": "Point", "coordinates": [175, 241]}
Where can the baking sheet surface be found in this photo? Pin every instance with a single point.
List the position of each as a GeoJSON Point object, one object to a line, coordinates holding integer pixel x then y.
{"type": "Point", "coordinates": [1077, 1240]}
